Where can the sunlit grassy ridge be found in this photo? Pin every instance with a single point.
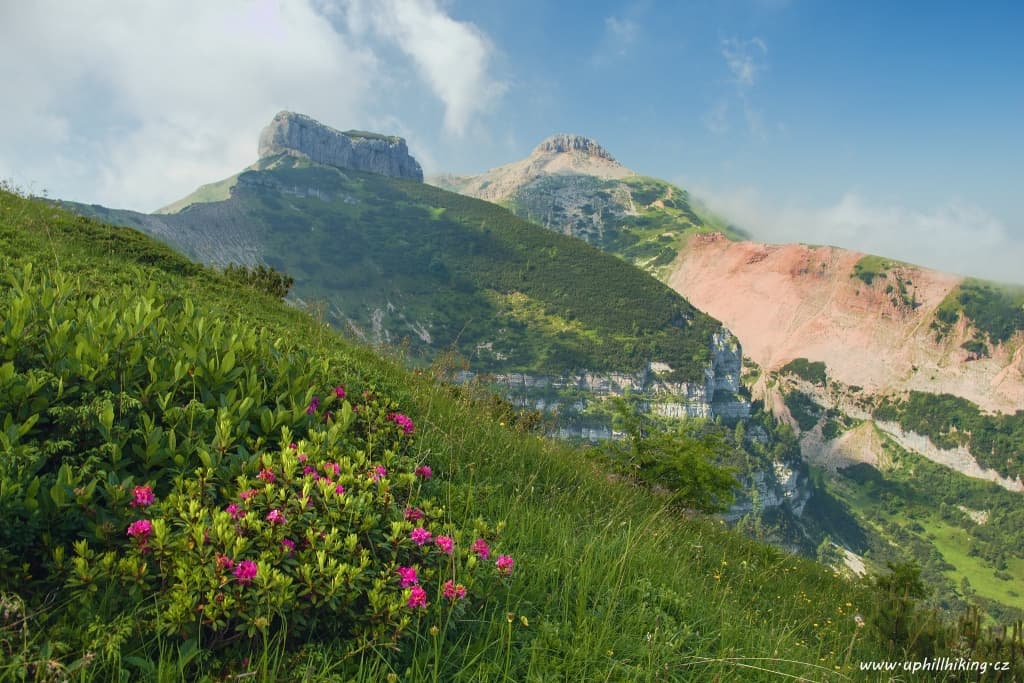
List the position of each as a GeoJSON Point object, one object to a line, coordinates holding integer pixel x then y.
{"type": "Point", "coordinates": [609, 583]}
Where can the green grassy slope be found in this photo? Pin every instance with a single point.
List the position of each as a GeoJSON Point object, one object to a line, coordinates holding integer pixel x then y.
{"type": "Point", "coordinates": [438, 269]}
{"type": "Point", "coordinates": [914, 508]}
{"type": "Point", "coordinates": [609, 584]}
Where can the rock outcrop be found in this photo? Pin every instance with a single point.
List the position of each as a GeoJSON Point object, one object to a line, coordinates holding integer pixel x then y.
{"type": "Point", "coordinates": [297, 134]}
{"type": "Point", "coordinates": [565, 143]}
{"type": "Point", "coordinates": [563, 155]}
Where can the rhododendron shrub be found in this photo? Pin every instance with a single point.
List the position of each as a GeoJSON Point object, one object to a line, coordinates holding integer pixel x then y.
{"type": "Point", "coordinates": [196, 477]}
{"type": "Point", "coordinates": [301, 537]}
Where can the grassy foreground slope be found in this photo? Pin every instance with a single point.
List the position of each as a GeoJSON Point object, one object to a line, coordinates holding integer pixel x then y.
{"type": "Point", "coordinates": [608, 583]}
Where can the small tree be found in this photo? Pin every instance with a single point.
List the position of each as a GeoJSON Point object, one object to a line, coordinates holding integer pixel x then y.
{"type": "Point", "coordinates": [266, 279]}
{"type": "Point", "coordinates": [681, 458]}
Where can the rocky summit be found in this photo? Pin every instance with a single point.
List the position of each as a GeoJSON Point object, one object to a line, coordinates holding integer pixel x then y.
{"type": "Point", "coordinates": [565, 143]}
{"type": "Point", "coordinates": [297, 134]}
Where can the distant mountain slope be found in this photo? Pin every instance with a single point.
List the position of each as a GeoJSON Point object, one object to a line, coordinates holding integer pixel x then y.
{"type": "Point", "coordinates": [876, 327]}
{"type": "Point", "coordinates": [572, 185]}
{"type": "Point", "coordinates": [394, 260]}
{"type": "Point", "coordinates": [885, 371]}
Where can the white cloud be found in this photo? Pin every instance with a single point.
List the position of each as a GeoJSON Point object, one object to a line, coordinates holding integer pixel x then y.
{"type": "Point", "coordinates": [744, 59]}
{"type": "Point", "coordinates": [955, 236]}
{"type": "Point", "coordinates": [452, 56]}
{"type": "Point", "coordinates": [135, 104]}
{"type": "Point", "coordinates": [716, 119]}
{"type": "Point", "coordinates": [621, 34]}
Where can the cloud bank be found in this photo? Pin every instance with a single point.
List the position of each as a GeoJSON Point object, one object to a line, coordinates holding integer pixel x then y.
{"type": "Point", "coordinates": [955, 236]}
{"type": "Point", "coordinates": [134, 104]}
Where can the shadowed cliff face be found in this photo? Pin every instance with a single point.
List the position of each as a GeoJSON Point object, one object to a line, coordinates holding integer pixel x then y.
{"type": "Point", "coordinates": [290, 133]}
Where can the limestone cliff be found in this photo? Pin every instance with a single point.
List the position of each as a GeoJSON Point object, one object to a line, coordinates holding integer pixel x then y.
{"type": "Point", "coordinates": [290, 133]}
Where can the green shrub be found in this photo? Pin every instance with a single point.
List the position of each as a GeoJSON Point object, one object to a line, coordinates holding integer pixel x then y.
{"type": "Point", "coordinates": [811, 371]}
{"type": "Point", "coordinates": [686, 459]}
{"type": "Point", "coordinates": [196, 478]}
{"type": "Point", "coordinates": [262, 278]}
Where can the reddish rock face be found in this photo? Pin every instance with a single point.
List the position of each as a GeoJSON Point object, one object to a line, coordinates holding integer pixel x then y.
{"type": "Point", "coordinates": [798, 301]}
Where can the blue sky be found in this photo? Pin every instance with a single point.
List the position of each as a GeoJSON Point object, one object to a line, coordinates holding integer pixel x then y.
{"type": "Point", "coordinates": [889, 127]}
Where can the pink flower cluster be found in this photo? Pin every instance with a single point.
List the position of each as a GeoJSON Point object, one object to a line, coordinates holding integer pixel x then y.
{"type": "Point", "coordinates": [417, 597]}
{"type": "Point", "coordinates": [266, 475]}
{"type": "Point", "coordinates": [245, 571]}
{"type": "Point", "coordinates": [141, 529]}
{"type": "Point", "coordinates": [481, 548]}
{"type": "Point", "coordinates": [420, 535]}
{"type": "Point", "coordinates": [275, 516]}
{"type": "Point", "coordinates": [314, 405]}
{"type": "Point", "coordinates": [378, 473]}
{"type": "Point", "coordinates": [505, 565]}
{"type": "Point", "coordinates": [235, 512]}
{"type": "Point", "coordinates": [424, 471]}
{"type": "Point", "coordinates": [402, 421]}
{"type": "Point", "coordinates": [413, 514]}
{"type": "Point", "coordinates": [445, 543]}
{"type": "Point", "coordinates": [143, 496]}
{"type": "Point", "coordinates": [453, 591]}
{"type": "Point", "coordinates": [408, 575]}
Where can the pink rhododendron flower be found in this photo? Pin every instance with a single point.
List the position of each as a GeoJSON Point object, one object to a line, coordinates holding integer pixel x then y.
{"type": "Point", "coordinates": [481, 548]}
{"type": "Point", "coordinates": [379, 472]}
{"type": "Point", "coordinates": [141, 529]}
{"type": "Point", "coordinates": [339, 391]}
{"type": "Point", "coordinates": [505, 565]}
{"type": "Point", "coordinates": [309, 471]}
{"type": "Point", "coordinates": [245, 572]}
{"type": "Point", "coordinates": [275, 516]}
{"type": "Point", "coordinates": [339, 489]}
{"type": "Point", "coordinates": [417, 597]}
{"type": "Point", "coordinates": [235, 511]}
{"type": "Point", "coordinates": [313, 406]}
{"type": "Point", "coordinates": [247, 494]}
{"type": "Point", "coordinates": [293, 445]}
{"type": "Point", "coordinates": [143, 496]}
{"type": "Point", "coordinates": [408, 576]}
{"type": "Point", "coordinates": [445, 543]}
{"type": "Point", "coordinates": [303, 457]}
{"type": "Point", "coordinates": [424, 471]}
{"type": "Point", "coordinates": [453, 591]}
{"type": "Point", "coordinates": [420, 535]}
{"type": "Point", "coordinates": [402, 421]}
{"type": "Point", "coordinates": [413, 514]}
{"type": "Point", "coordinates": [224, 562]}
{"type": "Point", "coordinates": [335, 467]}
{"type": "Point", "coordinates": [266, 475]}
{"type": "Point", "coordinates": [288, 544]}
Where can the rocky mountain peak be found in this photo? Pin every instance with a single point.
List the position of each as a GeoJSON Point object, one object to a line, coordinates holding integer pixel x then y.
{"type": "Point", "coordinates": [564, 143]}
{"type": "Point", "coordinates": [298, 134]}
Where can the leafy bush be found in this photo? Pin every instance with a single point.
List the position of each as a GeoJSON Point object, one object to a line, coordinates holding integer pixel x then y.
{"type": "Point", "coordinates": [196, 478]}
{"type": "Point", "coordinates": [262, 278]}
{"type": "Point", "coordinates": [686, 459]}
{"type": "Point", "coordinates": [811, 371]}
